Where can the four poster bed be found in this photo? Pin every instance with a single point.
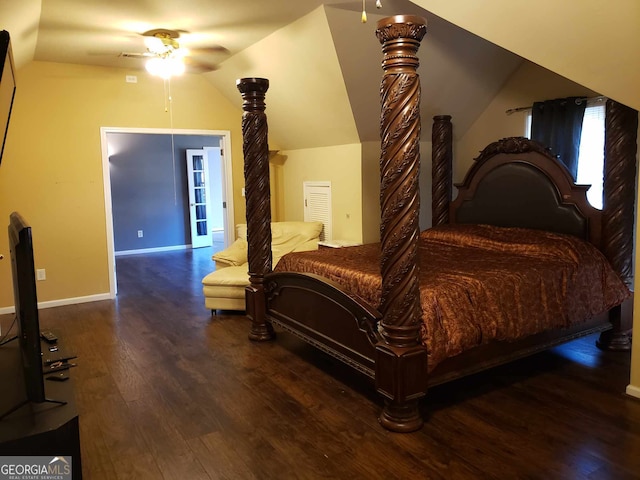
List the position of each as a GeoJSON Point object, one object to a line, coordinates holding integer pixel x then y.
{"type": "Point", "coordinates": [517, 263]}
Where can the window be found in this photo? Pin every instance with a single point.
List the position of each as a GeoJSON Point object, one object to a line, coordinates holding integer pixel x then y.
{"type": "Point", "coordinates": [591, 156]}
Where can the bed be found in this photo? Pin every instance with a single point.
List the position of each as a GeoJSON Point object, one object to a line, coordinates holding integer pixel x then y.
{"type": "Point", "coordinates": [515, 190]}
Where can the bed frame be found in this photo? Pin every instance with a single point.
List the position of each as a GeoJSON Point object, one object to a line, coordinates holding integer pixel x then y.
{"type": "Point", "coordinates": [383, 343]}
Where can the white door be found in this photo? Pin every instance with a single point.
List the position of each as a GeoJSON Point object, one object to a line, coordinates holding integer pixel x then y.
{"type": "Point", "coordinates": [220, 206]}
{"type": "Point", "coordinates": [199, 208]}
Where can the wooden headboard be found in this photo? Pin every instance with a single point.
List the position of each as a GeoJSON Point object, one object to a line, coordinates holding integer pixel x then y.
{"type": "Point", "coordinates": [516, 182]}
{"type": "Point", "coordinates": [611, 230]}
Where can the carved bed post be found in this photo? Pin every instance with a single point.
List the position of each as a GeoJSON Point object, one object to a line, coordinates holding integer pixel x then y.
{"type": "Point", "coordinates": [256, 176]}
{"type": "Point", "coordinates": [441, 169]}
{"type": "Point", "coordinates": [401, 361]}
{"type": "Point", "coordinates": [621, 129]}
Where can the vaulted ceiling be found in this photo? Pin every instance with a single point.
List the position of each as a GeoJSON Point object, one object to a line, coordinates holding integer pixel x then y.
{"type": "Point", "coordinates": [325, 70]}
{"type": "Point", "coordinates": [323, 64]}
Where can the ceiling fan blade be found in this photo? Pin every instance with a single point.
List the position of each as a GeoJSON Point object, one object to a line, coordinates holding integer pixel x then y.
{"type": "Point", "coordinates": [210, 50]}
{"type": "Point", "coordinates": [136, 54]}
{"type": "Point", "coordinates": [194, 66]}
{"type": "Point", "coordinates": [104, 53]}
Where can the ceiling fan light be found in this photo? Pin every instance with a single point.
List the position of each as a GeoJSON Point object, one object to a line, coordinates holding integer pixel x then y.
{"type": "Point", "coordinates": [154, 45]}
{"type": "Point", "coordinates": [177, 66]}
{"type": "Point", "coordinates": [165, 67]}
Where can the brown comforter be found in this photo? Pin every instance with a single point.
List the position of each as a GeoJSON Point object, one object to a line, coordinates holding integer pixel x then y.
{"type": "Point", "coordinates": [480, 283]}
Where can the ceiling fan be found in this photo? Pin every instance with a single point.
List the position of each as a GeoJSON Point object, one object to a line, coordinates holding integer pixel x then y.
{"type": "Point", "coordinates": [166, 57]}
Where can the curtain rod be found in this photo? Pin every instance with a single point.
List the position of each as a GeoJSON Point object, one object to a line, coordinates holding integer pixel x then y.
{"type": "Point", "coordinates": [600, 98]}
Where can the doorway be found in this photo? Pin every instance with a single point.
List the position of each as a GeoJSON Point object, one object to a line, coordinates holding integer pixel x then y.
{"type": "Point", "coordinates": [145, 189]}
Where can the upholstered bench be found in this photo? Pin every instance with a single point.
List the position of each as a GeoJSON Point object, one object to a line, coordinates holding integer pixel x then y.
{"type": "Point", "coordinates": [224, 288]}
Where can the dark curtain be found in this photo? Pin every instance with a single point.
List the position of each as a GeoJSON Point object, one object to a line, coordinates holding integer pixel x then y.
{"type": "Point", "coordinates": [558, 125]}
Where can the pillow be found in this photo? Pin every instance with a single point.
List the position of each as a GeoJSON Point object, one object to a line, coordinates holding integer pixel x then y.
{"type": "Point", "coordinates": [235, 254]}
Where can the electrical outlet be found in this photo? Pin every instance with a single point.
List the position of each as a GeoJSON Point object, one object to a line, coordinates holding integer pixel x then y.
{"type": "Point", "coordinates": [41, 274]}
{"type": "Point", "coordinates": [131, 79]}
{"type": "Point", "coordinates": [243, 192]}
{"type": "Point", "coordinates": [140, 234]}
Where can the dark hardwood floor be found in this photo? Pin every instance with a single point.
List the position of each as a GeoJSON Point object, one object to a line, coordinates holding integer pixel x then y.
{"type": "Point", "coordinates": [164, 390]}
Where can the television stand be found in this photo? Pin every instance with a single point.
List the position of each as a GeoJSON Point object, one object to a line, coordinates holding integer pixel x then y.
{"type": "Point", "coordinates": [15, 337]}
{"type": "Point", "coordinates": [27, 402]}
{"type": "Point", "coordinates": [20, 405]}
{"type": "Point", "coordinates": [49, 428]}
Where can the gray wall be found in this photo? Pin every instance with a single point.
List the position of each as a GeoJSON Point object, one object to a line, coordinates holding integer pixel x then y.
{"type": "Point", "coordinates": [142, 188]}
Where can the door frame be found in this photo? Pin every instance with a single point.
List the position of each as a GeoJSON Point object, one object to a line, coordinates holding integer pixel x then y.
{"type": "Point", "coordinates": [225, 144]}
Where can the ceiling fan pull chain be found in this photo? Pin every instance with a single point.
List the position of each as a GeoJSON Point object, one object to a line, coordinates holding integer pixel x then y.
{"type": "Point", "coordinates": [168, 99]}
{"type": "Point", "coordinates": [166, 95]}
{"type": "Point", "coordinates": [363, 18]}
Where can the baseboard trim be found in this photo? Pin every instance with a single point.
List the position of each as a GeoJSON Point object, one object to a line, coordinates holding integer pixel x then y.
{"type": "Point", "coordinates": [633, 391]}
{"type": "Point", "coordinates": [139, 251]}
{"type": "Point", "coordinates": [62, 302]}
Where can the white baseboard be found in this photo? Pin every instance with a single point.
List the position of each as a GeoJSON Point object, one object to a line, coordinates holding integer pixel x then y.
{"type": "Point", "coordinates": [63, 301]}
{"type": "Point", "coordinates": [139, 251]}
{"type": "Point", "coordinates": [633, 391]}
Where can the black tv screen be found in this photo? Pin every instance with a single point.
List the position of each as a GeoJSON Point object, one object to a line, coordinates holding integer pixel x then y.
{"type": "Point", "coordinates": [7, 86]}
{"type": "Point", "coordinates": [26, 302]}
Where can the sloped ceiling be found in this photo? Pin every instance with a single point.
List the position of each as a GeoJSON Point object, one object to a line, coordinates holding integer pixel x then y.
{"type": "Point", "coordinates": [307, 103]}
{"type": "Point", "coordinates": [460, 73]}
{"type": "Point", "coordinates": [332, 71]}
{"type": "Point", "coordinates": [22, 19]}
{"type": "Point", "coordinates": [593, 43]}
{"type": "Point", "coordinates": [324, 67]}
{"type": "Point", "coordinates": [325, 72]}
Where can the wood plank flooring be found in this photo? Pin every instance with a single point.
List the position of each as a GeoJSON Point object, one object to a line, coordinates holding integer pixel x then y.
{"type": "Point", "coordinates": [165, 390]}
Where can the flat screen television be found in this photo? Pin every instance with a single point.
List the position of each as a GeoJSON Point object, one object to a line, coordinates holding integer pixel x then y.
{"type": "Point", "coordinates": [26, 303]}
{"type": "Point", "coordinates": [7, 86]}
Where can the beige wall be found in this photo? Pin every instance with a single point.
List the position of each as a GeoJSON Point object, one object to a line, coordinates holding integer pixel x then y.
{"type": "Point", "coordinates": [370, 192]}
{"type": "Point", "coordinates": [350, 171]}
{"type": "Point", "coordinates": [52, 168]}
{"type": "Point", "coordinates": [276, 178]}
{"type": "Point", "coordinates": [354, 173]}
{"type": "Point", "coordinates": [341, 165]}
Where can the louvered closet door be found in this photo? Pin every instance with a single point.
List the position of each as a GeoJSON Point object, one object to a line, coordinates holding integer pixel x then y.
{"type": "Point", "coordinates": [317, 206]}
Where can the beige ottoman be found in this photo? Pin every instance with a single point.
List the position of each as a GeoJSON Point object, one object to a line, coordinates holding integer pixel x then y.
{"type": "Point", "coordinates": [224, 289]}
